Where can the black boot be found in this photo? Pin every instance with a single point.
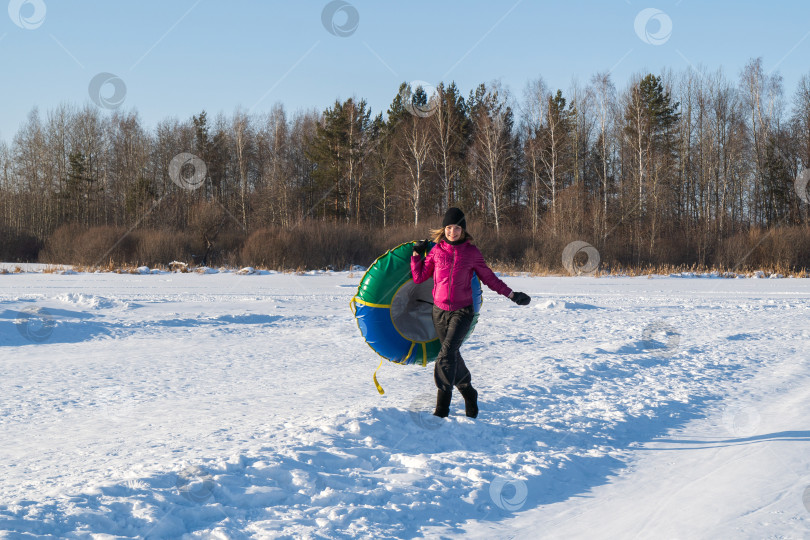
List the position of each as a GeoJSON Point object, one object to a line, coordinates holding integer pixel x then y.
{"type": "Point", "coordinates": [470, 400]}
{"type": "Point", "coordinates": [443, 404]}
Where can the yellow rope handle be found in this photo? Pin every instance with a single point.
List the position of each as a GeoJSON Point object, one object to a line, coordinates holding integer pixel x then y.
{"type": "Point", "coordinates": [353, 306]}
{"type": "Point", "coordinates": [379, 388]}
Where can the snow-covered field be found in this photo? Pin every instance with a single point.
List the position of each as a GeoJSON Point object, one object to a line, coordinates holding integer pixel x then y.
{"type": "Point", "coordinates": [232, 406]}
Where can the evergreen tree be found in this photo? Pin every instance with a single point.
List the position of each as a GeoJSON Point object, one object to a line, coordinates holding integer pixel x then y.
{"type": "Point", "coordinates": [452, 136]}
{"type": "Point", "coordinates": [338, 150]}
{"type": "Point", "coordinates": [555, 154]}
{"type": "Point", "coordinates": [202, 143]}
{"type": "Point", "coordinates": [398, 111]}
{"type": "Point", "coordinates": [651, 119]}
{"type": "Point", "coordinates": [79, 188]}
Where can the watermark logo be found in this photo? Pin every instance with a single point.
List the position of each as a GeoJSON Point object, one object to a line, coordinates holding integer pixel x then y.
{"type": "Point", "coordinates": [660, 337]}
{"type": "Point", "coordinates": [35, 324]}
{"type": "Point", "coordinates": [100, 83]}
{"type": "Point", "coordinates": [340, 18]}
{"type": "Point", "coordinates": [653, 26]}
{"type": "Point", "coordinates": [741, 421]}
{"type": "Point", "coordinates": [421, 110]}
{"type": "Point", "coordinates": [27, 14]}
{"type": "Point", "coordinates": [187, 171]}
{"type": "Point", "coordinates": [421, 411]}
{"type": "Point", "coordinates": [800, 184]}
{"type": "Point", "coordinates": [508, 494]}
{"type": "Point", "coordinates": [580, 258]}
{"type": "Point", "coordinates": [195, 484]}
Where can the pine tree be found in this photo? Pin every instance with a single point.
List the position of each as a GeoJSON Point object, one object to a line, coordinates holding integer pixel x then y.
{"type": "Point", "coordinates": [79, 188]}
{"type": "Point", "coordinates": [451, 127]}
{"type": "Point", "coordinates": [651, 119]}
{"type": "Point", "coordinates": [338, 150]}
{"type": "Point", "coordinates": [555, 137]}
{"type": "Point", "coordinates": [397, 111]}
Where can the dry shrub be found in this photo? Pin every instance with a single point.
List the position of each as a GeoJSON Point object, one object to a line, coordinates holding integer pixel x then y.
{"type": "Point", "coordinates": [392, 236]}
{"type": "Point", "coordinates": [106, 247]}
{"type": "Point", "coordinates": [789, 249]}
{"type": "Point", "coordinates": [102, 244]}
{"type": "Point", "coordinates": [330, 245]}
{"type": "Point", "coordinates": [783, 249]}
{"type": "Point", "coordinates": [157, 247]}
{"type": "Point", "coordinates": [535, 261]}
{"type": "Point", "coordinates": [258, 249]}
{"type": "Point", "coordinates": [111, 248]}
{"type": "Point", "coordinates": [319, 245]}
{"type": "Point", "coordinates": [227, 247]}
{"type": "Point", "coordinates": [206, 218]}
{"type": "Point", "coordinates": [511, 247]}
{"type": "Point", "coordinates": [310, 245]}
{"type": "Point", "coordinates": [743, 251]}
{"type": "Point", "coordinates": [60, 246]}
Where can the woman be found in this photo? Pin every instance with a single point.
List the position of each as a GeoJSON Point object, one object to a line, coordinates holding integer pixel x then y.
{"type": "Point", "coordinates": [451, 264]}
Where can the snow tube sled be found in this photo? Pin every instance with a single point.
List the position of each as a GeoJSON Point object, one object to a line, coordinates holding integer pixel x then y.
{"type": "Point", "coordinates": [395, 315]}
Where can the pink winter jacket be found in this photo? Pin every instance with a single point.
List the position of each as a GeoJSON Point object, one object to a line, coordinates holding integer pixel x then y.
{"type": "Point", "coordinates": [451, 268]}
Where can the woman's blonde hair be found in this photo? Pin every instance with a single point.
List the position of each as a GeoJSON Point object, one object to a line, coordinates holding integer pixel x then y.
{"type": "Point", "coordinates": [437, 235]}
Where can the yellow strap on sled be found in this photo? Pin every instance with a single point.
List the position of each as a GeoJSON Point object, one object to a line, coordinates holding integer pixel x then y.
{"type": "Point", "coordinates": [379, 388]}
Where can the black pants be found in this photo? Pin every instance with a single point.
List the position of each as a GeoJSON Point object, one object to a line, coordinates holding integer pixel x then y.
{"type": "Point", "coordinates": [451, 327]}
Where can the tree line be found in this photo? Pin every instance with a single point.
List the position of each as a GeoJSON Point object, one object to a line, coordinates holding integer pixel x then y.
{"type": "Point", "coordinates": [686, 168]}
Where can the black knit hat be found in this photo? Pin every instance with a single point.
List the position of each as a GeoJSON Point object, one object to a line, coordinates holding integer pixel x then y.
{"type": "Point", "coordinates": [454, 216]}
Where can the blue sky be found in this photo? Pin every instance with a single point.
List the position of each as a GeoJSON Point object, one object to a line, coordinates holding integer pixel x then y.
{"type": "Point", "coordinates": [179, 57]}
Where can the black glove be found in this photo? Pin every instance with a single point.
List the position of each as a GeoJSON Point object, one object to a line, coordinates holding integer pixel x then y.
{"type": "Point", "coordinates": [421, 247]}
{"type": "Point", "coordinates": [521, 299]}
